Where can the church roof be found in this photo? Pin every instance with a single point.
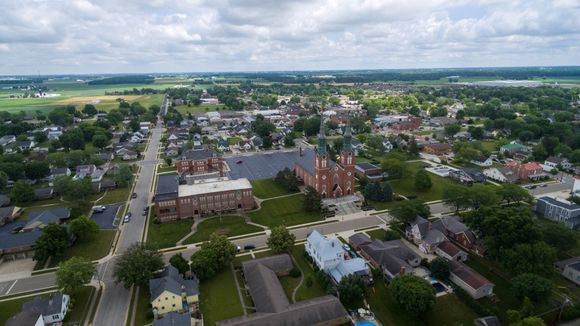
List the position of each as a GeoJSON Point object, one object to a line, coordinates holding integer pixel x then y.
{"type": "Point", "coordinates": [307, 160]}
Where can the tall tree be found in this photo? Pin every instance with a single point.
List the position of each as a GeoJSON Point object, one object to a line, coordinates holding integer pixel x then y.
{"type": "Point", "coordinates": [395, 168]}
{"type": "Point", "coordinates": [179, 262]}
{"type": "Point", "coordinates": [123, 176]}
{"type": "Point", "coordinates": [36, 170]}
{"type": "Point", "coordinates": [213, 256]}
{"type": "Point", "coordinates": [312, 200]}
{"type": "Point", "coordinates": [537, 258]}
{"type": "Point", "coordinates": [72, 274]}
{"type": "Point", "coordinates": [22, 192]}
{"type": "Point", "coordinates": [406, 211]}
{"type": "Point", "coordinates": [558, 236]}
{"type": "Point", "coordinates": [52, 242]}
{"type": "Point", "coordinates": [511, 193]}
{"type": "Point", "coordinates": [83, 227]}
{"type": "Point", "coordinates": [3, 180]}
{"type": "Point", "coordinates": [137, 265]}
{"type": "Point", "coordinates": [351, 291]}
{"type": "Point", "coordinates": [413, 293]}
{"type": "Point", "coordinates": [532, 286]}
{"type": "Point", "coordinates": [440, 268]}
{"type": "Point", "coordinates": [280, 239]}
{"type": "Point", "coordinates": [422, 180]}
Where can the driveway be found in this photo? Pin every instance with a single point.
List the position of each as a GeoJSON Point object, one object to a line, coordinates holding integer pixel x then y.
{"type": "Point", "coordinates": [105, 219]}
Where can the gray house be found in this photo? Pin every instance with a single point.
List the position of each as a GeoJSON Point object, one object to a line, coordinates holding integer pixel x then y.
{"type": "Point", "coordinates": [570, 269]}
{"type": "Point", "coordinates": [53, 309]}
{"type": "Point", "coordinates": [471, 281]}
{"type": "Point", "coordinates": [559, 210]}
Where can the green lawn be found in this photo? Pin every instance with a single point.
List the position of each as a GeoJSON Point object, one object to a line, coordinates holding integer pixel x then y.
{"type": "Point", "coordinates": [167, 234]}
{"type": "Point", "coordinates": [386, 310]}
{"type": "Point", "coordinates": [406, 185]}
{"type": "Point", "coordinates": [93, 249]}
{"type": "Point", "coordinates": [449, 310]}
{"type": "Point", "coordinates": [305, 292]}
{"type": "Point", "coordinates": [166, 169]}
{"type": "Point", "coordinates": [284, 211]}
{"type": "Point", "coordinates": [114, 196]}
{"type": "Point", "coordinates": [377, 234]}
{"type": "Point", "coordinates": [77, 311]}
{"type": "Point", "coordinates": [219, 298]}
{"type": "Point", "coordinates": [143, 308]}
{"type": "Point", "coordinates": [184, 109]}
{"type": "Point", "coordinates": [229, 225]}
{"type": "Point", "coordinates": [267, 188]}
{"type": "Point", "coordinates": [234, 140]}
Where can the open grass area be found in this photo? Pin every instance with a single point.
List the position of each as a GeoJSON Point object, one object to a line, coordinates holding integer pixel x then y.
{"type": "Point", "coordinates": [305, 292]}
{"type": "Point", "coordinates": [219, 299]}
{"type": "Point", "coordinates": [184, 109]}
{"type": "Point", "coordinates": [167, 234]}
{"type": "Point", "coordinates": [377, 234]}
{"type": "Point", "coordinates": [162, 169]}
{"type": "Point", "coordinates": [268, 188]}
{"type": "Point", "coordinates": [143, 308]}
{"type": "Point", "coordinates": [406, 185]}
{"type": "Point", "coordinates": [93, 249]}
{"type": "Point", "coordinates": [284, 211]}
{"type": "Point", "coordinates": [449, 310]}
{"type": "Point", "coordinates": [114, 196]}
{"type": "Point", "coordinates": [77, 311]}
{"type": "Point", "coordinates": [386, 310]}
{"type": "Point", "coordinates": [228, 225]}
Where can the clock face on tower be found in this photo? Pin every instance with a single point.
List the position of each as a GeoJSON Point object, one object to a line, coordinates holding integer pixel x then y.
{"type": "Point", "coordinates": [323, 177]}
{"type": "Point", "coordinates": [348, 173]}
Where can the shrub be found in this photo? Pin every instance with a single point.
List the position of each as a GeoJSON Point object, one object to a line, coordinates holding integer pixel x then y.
{"type": "Point", "coordinates": [309, 281]}
{"type": "Point", "coordinates": [471, 303]}
{"type": "Point", "coordinates": [295, 272]}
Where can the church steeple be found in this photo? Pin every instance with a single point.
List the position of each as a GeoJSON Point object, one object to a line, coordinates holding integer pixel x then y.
{"type": "Point", "coordinates": [347, 146]}
{"type": "Point", "coordinates": [321, 138]}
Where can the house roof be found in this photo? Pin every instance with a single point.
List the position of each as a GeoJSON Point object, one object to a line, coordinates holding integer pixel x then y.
{"type": "Point", "coordinates": [8, 212]}
{"type": "Point", "coordinates": [24, 318]}
{"type": "Point", "coordinates": [198, 154]}
{"type": "Point", "coordinates": [449, 248]}
{"type": "Point", "coordinates": [468, 275]}
{"type": "Point", "coordinates": [451, 224]}
{"type": "Point", "coordinates": [19, 240]}
{"type": "Point", "coordinates": [174, 319]}
{"type": "Point", "coordinates": [167, 186]}
{"type": "Point", "coordinates": [306, 161]}
{"type": "Point", "coordinates": [41, 217]}
{"type": "Point", "coordinates": [43, 192]}
{"type": "Point", "coordinates": [359, 239]}
{"type": "Point", "coordinates": [327, 248]}
{"type": "Point", "coordinates": [422, 224]}
{"type": "Point", "coordinates": [170, 280]}
{"type": "Point", "coordinates": [266, 290]}
{"type": "Point", "coordinates": [4, 200]}
{"type": "Point", "coordinates": [45, 306]}
{"type": "Point", "coordinates": [391, 255]}
{"type": "Point", "coordinates": [560, 203]}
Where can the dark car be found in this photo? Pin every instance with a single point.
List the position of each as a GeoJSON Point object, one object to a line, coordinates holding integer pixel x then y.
{"type": "Point", "coordinates": [16, 229]}
{"type": "Point", "coordinates": [134, 195]}
{"type": "Point", "coordinates": [249, 247]}
{"type": "Point", "coordinates": [239, 162]}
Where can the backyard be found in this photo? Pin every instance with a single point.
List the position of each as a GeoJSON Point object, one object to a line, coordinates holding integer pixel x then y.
{"type": "Point", "coordinates": [284, 211]}
{"type": "Point", "coordinates": [228, 225]}
{"type": "Point", "coordinates": [143, 312]}
{"type": "Point", "coordinates": [268, 188]}
{"type": "Point", "coordinates": [219, 299]}
{"type": "Point", "coordinates": [165, 235]}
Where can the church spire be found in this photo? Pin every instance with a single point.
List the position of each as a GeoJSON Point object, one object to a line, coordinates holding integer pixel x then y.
{"type": "Point", "coordinates": [322, 138]}
{"type": "Point", "coordinates": [347, 146]}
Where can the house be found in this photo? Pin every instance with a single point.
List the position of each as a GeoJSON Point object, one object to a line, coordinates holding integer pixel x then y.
{"type": "Point", "coordinates": [43, 193]}
{"type": "Point", "coordinates": [553, 162]}
{"type": "Point", "coordinates": [24, 145]}
{"type": "Point", "coordinates": [393, 257]}
{"type": "Point", "coordinates": [501, 174]}
{"type": "Point", "coordinates": [41, 217]}
{"type": "Point", "coordinates": [53, 309]}
{"type": "Point", "coordinates": [91, 171]}
{"type": "Point", "coordinates": [245, 145]}
{"type": "Point", "coordinates": [129, 155]}
{"type": "Point", "coordinates": [4, 200]}
{"type": "Point", "coordinates": [483, 161]}
{"type": "Point", "coordinates": [330, 256]}
{"type": "Point", "coordinates": [437, 149]}
{"type": "Point", "coordinates": [512, 148]}
{"type": "Point", "coordinates": [459, 233]}
{"type": "Point", "coordinates": [107, 184]}
{"type": "Point", "coordinates": [171, 292]}
{"type": "Point", "coordinates": [272, 305]}
{"type": "Point", "coordinates": [171, 152]}
{"type": "Point", "coordinates": [570, 269]}
{"type": "Point", "coordinates": [59, 172]}
{"type": "Point", "coordinates": [174, 319]}
{"type": "Point", "coordinates": [487, 321]}
{"type": "Point", "coordinates": [472, 282]}
{"type": "Point", "coordinates": [7, 139]}
{"type": "Point", "coordinates": [8, 214]}
{"type": "Point", "coordinates": [223, 145]}
{"type": "Point", "coordinates": [26, 318]}
{"type": "Point", "coordinates": [257, 141]}
{"type": "Point", "coordinates": [422, 233]}
{"type": "Point", "coordinates": [526, 171]}
{"type": "Point", "coordinates": [449, 251]}
{"type": "Point", "coordinates": [559, 210]}
{"type": "Point", "coordinates": [107, 157]}
{"type": "Point", "coordinates": [370, 171]}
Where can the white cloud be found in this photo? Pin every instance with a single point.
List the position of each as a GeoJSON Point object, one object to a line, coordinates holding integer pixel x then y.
{"type": "Point", "coordinates": [60, 36]}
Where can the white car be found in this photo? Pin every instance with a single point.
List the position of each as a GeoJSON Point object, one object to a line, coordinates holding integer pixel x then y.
{"type": "Point", "coordinates": [126, 218]}
{"type": "Point", "coordinates": [99, 209]}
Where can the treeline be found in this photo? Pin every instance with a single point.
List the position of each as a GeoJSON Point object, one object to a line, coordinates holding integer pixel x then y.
{"type": "Point", "coordinates": [20, 81]}
{"type": "Point", "coordinates": [136, 79]}
{"type": "Point", "coordinates": [136, 91]}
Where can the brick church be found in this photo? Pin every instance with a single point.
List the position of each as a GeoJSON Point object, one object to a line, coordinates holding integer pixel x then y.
{"type": "Point", "coordinates": [316, 169]}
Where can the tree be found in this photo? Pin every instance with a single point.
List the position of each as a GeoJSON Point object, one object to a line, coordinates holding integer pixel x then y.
{"type": "Point", "coordinates": [406, 211]}
{"type": "Point", "coordinates": [533, 286]}
{"type": "Point", "coordinates": [3, 180]}
{"type": "Point", "coordinates": [413, 293]}
{"type": "Point", "coordinates": [40, 137]}
{"type": "Point", "coordinates": [72, 274]}
{"type": "Point", "coordinates": [136, 265]}
{"type": "Point", "coordinates": [53, 241]}
{"type": "Point", "coordinates": [413, 147]}
{"type": "Point", "coordinates": [22, 192]}
{"type": "Point", "coordinates": [558, 236]}
{"type": "Point", "coordinates": [312, 200]}
{"type": "Point", "coordinates": [100, 141]}
{"type": "Point", "coordinates": [394, 168]}
{"type": "Point", "coordinates": [89, 109]}
{"type": "Point", "coordinates": [511, 193]}
{"type": "Point", "coordinates": [123, 176]}
{"type": "Point", "coordinates": [213, 256]}
{"type": "Point", "coordinates": [179, 262]}
{"type": "Point", "coordinates": [535, 258]}
{"type": "Point", "coordinates": [83, 227]}
{"type": "Point", "coordinates": [454, 196]}
{"type": "Point", "coordinates": [36, 170]}
{"type": "Point", "coordinates": [440, 268]}
{"type": "Point", "coordinates": [387, 192]}
{"type": "Point", "coordinates": [280, 240]}
{"type": "Point", "coordinates": [422, 180]}
{"type": "Point", "coordinates": [351, 291]}
{"type": "Point", "coordinates": [452, 129]}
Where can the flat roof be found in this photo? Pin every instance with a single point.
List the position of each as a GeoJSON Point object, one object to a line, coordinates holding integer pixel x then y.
{"type": "Point", "coordinates": [208, 186]}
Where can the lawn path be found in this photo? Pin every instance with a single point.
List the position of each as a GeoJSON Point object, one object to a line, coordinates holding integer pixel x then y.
{"type": "Point", "coordinates": [301, 279]}
{"type": "Point", "coordinates": [238, 288]}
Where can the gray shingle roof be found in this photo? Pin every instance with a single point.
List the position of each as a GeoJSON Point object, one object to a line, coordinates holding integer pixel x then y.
{"type": "Point", "coordinates": [170, 280]}
{"type": "Point", "coordinates": [174, 319]}
{"type": "Point", "coordinates": [307, 160]}
{"type": "Point", "coordinates": [201, 154]}
{"type": "Point", "coordinates": [24, 318]}
{"type": "Point", "coordinates": [45, 216]}
{"type": "Point", "coordinates": [45, 306]}
{"type": "Point", "coordinates": [555, 202]}
{"type": "Point", "coordinates": [391, 255]}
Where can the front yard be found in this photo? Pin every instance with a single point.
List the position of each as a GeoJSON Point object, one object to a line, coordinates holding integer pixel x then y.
{"type": "Point", "coordinates": [228, 225]}
{"type": "Point", "coordinates": [165, 235]}
{"type": "Point", "coordinates": [95, 248]}
{"type": "Point", "coordinates": [114, 196]}
{"type": "Point", "coordinates": [267, 188]}
{"type": "Point", "coordinates": [284, 211]}
{"type": "Point", "coordinates": [219, 298]}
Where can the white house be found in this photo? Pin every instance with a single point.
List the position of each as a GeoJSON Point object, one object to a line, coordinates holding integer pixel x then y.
{"type": "Point", "coordinates": [553, 161]}
{"type": "Point", "coordinates": [53, 309]}
{"type": "Point", "coordinates": [484, 163]}
{"type": "Point", "coordinates": [330, 256]}
{"type": "Point", "coordinates": [501, 174]}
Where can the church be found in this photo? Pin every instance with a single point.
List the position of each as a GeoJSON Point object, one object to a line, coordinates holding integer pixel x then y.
{"type": "Point", "coordinates": [316, 169]}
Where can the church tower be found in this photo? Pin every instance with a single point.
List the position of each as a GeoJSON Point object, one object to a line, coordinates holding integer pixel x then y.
{"type": "Point", "coordinates": [322, 162]}
{"type": "Point", "coordinates": [347, 161]}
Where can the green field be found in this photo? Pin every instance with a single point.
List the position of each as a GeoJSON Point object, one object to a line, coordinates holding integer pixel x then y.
{"type": "Point", "coordinates": [93, 249]}
{"type": "Point", "coordinates": [284, 211]}
{"type": "Point", "coordinates": [227, 225]}
{"type": "Point", "coordinates": [304, 292]}
{"type": "Point", "coordinates": [267, 188]}
{"type": "Point", "coordinates": [219, 299]}
{"type": "Point", "coordinates": [406, 185]}
{"type": "Point", "coordinates": [184, 109]}
{"type": "Point", "coordinates": [167, 234]}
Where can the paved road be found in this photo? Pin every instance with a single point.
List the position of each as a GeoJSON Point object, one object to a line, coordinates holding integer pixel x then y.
{"type": "Point", "coordinates": [114, 304]}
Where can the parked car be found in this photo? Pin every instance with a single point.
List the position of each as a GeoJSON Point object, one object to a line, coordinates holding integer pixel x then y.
{"type": "Point", "coordinates": [249, 247]}
{"type": "Point", "coordinates": [99, 209]}
{"type": "Point", "coordinates": [127, 218]}
{"type": "Point", "coordinates": [134, 195]}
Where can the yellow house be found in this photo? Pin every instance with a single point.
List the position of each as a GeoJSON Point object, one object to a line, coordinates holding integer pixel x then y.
{"type": "Point", "coordinates": [171, 292]}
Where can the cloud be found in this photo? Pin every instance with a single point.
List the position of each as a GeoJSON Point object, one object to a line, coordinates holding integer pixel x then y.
{"type": "Point", "coordinates": [90, 36]}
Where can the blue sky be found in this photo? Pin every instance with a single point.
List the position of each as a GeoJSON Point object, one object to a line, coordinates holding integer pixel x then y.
{"type": "Point", "coordinates": [106, 36]}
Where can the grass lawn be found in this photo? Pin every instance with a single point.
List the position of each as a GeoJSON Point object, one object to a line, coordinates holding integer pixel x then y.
{"type": "Point", "coordinates": [219, 298]}
{"type": "Point", "coordinates": [93, 249]}
{"type": "Point", "coordinates": [267, 188]}
{"type": "Point", "coordinates": [234, 140]}
{"type": "Point", "coordinates": [166, 169]}
{"type": "Point", "coordinates": [490, 145]}
{"type": "Point", "coordinates": [386, 310]}
{"type": "Point", "coordinates": [406, 185]}
{"type": "Point", "coordinates": [284, 211]}
{"type": "Point", "coordinates": [380, 205]}
{"type": "Point", "coordinates": [184, 109]}
{"type": "Point", "coordinates": [143, 308]}
{"type": "Point", "coordinates": [229, 225]}
{"type": "Point", "coordinates": [449, 310]}
{"type": "Point", "coordinates": [167, 234]}
{"type": "Point", "coordinates": [115, 196]}
{"type": "Point", "coordinates": [377, 234]}
{"type": "Point", "coordinates": [305, 292]}
{"type": "Point", "coordinates": [76, 314]}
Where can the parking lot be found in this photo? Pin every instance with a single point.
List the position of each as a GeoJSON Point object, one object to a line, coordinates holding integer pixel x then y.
{"type": "Point", "coordinates": [107, 217]}
{"type": "Point", "coordinates": [260, 166]}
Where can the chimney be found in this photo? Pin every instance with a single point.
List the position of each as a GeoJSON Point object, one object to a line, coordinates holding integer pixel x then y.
{"type": "Point", "coordinates": [402, 271]}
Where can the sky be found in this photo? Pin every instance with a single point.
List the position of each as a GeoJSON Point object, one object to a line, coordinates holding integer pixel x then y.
{"type": "Point", "coordinates": [146, 36]}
